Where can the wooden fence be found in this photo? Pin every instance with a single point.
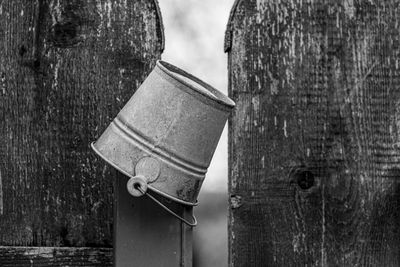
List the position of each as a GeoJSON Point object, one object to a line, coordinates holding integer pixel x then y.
{"type": "Point", "coordinates": [313, 142]}
{"type": "Point", "coordinates": [66, 68]}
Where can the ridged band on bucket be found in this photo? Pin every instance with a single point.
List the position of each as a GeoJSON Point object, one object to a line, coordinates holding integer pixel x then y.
{"type": "Point", "coordinates": [176, 120]}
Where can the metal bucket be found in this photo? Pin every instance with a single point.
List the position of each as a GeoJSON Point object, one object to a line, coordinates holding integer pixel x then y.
{"type": "Point", "coordinates": [165, 136]}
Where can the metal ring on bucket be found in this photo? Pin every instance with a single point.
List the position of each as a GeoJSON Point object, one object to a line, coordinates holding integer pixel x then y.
{"type": "Point", "coordinates": [137, 186]}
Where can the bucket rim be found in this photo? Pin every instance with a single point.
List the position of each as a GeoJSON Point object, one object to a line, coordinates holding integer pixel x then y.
{"type": "Point", "coordinates": [176, 73]}
{"type": "Point", "coordinates": [148, 185]}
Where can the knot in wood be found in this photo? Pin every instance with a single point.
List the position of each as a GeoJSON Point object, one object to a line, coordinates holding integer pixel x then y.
{"type": "Point", "coordinates": [303, 177]}
{"type": "Point", "coordinates": [236, 201]}
{"type": "Point", "coordinates": [64, 34]}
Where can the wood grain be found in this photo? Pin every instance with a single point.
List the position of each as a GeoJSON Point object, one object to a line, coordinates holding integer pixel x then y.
{"type": "Point", "coordinates": [66, 69]}
{"type": "Point", "coordinates": [314, 140]}
{"type": "Point", "coordinates": [55, 256]}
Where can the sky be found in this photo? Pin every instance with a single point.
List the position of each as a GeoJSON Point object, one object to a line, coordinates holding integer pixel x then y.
{"type": "Point", "coordinates": [194, 38]}
{"type": "Point", "coordinates": [194, 41]}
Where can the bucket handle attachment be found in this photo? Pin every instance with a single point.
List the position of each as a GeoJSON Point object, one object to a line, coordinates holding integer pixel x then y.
{"type": "Point", "coordinates": [137, 186]}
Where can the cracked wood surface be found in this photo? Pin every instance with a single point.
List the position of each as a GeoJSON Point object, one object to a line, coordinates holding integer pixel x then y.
{"type": "Point", "coordinates": [66, 69]}
{"type": "Point", "coordinates": [314, 150]}
{"type": "Point", "coordinates": [55, 256]}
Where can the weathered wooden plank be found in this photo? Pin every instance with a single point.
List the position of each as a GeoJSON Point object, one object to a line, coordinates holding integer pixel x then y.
{"type": "Point", "coordinates": [66, 68]}
{"type": "Point", "coordinates": [55, 256]}
{"type": "Point", "coordinates": [313, 142]}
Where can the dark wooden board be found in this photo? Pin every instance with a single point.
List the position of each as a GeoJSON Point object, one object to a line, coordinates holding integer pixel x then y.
{"type": "Point", "coordinates": [55, 256]}
{"type": "Point", "coordinates": [314, 139]}
{"type": "Point", "coordinates": [66, 69]}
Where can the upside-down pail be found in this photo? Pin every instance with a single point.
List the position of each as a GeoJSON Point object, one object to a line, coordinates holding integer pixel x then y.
{"type": "Point", "coordinates": [167, 132]}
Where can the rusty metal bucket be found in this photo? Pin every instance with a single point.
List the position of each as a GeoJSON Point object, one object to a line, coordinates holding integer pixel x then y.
{"type": "Point", "coordinates": [165, 136]}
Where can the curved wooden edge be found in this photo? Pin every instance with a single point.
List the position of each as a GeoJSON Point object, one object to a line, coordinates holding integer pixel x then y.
{"type": "Point", "coordinates": [55, 256]}
{"type": "Point", "coordinates": [160, 30]}
{"type": "Point", "coordinates": [229, 27]}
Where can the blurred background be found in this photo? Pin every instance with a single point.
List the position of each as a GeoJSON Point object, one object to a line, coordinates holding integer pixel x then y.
{"type": "Point", "coordinates": [194, 38]}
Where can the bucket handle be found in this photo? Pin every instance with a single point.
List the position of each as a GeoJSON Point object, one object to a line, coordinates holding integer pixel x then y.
{"type": "Point", "coordinates": [138, 184]}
